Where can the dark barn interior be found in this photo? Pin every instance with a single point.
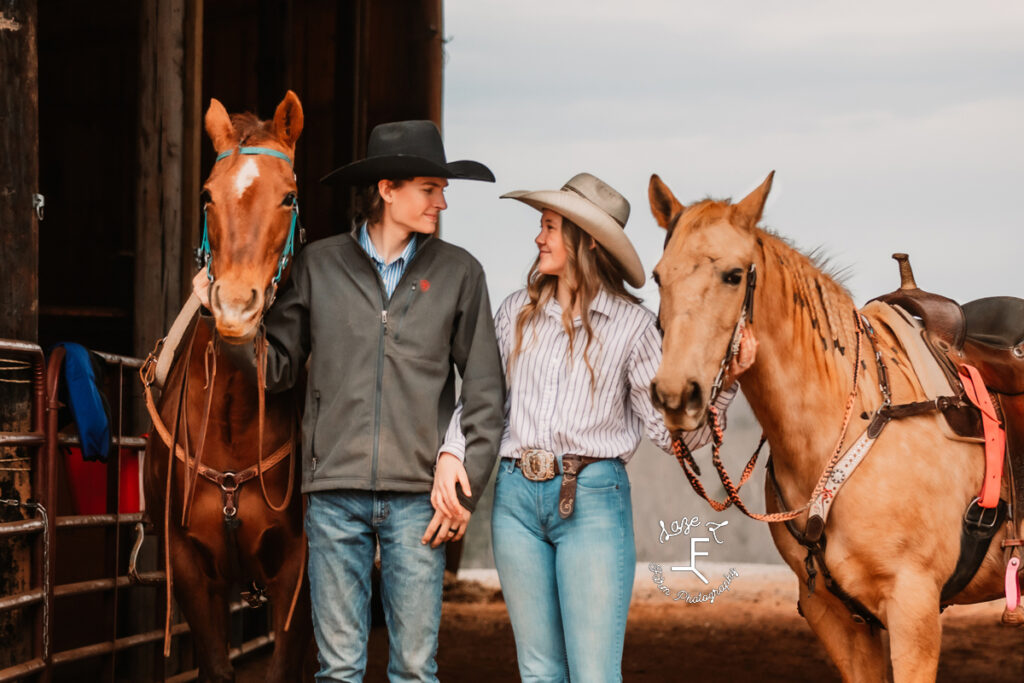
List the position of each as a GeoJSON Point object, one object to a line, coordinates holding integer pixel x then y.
{"type": "Point", "coordinates": [102, 115]}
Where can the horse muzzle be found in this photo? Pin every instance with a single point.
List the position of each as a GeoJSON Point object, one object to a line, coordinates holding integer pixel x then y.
{"type": "Point", "coordinates": [237, 311]}
{"type": "Point", "coordinates": [685, 408]}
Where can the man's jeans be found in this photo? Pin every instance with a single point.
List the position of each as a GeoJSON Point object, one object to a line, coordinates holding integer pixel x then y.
{"type": "Point", "coordinates": [343, 527]}
{"type": "Point", "coordinates": [566, 582]}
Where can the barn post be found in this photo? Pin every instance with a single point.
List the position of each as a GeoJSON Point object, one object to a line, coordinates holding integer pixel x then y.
{"type": "Point", "coordinates": [162, 151]}
{"type": "Point", "coordinates": [19, 285]}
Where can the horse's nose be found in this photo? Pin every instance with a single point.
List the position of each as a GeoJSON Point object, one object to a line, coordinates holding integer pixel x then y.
{"type": "Point", "coordinates": [234, 307]}
{"type": "Point", "coordinates": [690, 399]}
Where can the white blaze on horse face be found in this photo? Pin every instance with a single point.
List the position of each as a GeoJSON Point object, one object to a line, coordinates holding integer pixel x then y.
{"type": "Point", "coordinates": [248, 173]}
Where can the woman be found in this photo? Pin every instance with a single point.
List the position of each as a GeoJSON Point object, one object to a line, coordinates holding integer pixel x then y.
{"type": "Point", "coordinates": [382, 314]}
{"type": "Point", "coordinates": [579, 353]}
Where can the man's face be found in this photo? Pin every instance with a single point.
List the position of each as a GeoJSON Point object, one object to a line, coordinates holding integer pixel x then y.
{"type": "Point", "coordinates": [416, 205]}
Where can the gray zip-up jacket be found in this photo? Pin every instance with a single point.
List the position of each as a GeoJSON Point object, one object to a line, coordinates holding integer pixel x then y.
{"type": "Point", "coordinates": [381, 385]}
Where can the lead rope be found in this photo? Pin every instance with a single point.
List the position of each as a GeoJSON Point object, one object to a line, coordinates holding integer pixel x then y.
{"type": "Point", "coordinates": [261, 374]}
{"type": "Point", "coordinates": [167, 495]}
{"type": "Point", "coordinates": [192, 465]}
{"type": "Point", "coordinates": [685, 457]}
{"type": "Point", "coordinates": [261, 383]}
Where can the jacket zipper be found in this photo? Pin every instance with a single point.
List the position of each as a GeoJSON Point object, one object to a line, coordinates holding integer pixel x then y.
{"type": "Point", "coordinates": [312, 439]}
{"type": "Point", "coordinates": [385, 304]}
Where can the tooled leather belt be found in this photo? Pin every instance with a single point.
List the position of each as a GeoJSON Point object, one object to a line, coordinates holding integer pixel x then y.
{"type": "Point", "coordinates": [540, 465]}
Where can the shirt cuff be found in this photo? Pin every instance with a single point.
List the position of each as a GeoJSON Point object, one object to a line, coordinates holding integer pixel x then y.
{"type": "Point", "coordinates": [456, 449]}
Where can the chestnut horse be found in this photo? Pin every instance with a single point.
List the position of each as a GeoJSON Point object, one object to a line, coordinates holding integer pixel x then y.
{"type": "Point", "coordinates": [232, 519]}
{"type": "Point", "coordinates": [894, 530]}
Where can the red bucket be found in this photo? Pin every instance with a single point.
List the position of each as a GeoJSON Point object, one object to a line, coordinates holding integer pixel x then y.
{"type": "Point", "coordinates": [88, 482]}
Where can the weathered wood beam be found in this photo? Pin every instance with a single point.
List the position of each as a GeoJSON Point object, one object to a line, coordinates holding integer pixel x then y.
{"type": "Point", "coordinates": [158, 249]}
{"type": "Point", "coordinates": [19, 171]}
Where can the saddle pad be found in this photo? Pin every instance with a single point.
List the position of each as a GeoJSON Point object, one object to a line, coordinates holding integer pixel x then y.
{"type": "Point", "coordinates": [908, 331]}
{"type": "Point", "coordinates": [173, 338]}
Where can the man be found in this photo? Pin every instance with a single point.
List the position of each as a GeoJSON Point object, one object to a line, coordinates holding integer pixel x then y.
{"type": "Point", "coordinates": [385, 315]}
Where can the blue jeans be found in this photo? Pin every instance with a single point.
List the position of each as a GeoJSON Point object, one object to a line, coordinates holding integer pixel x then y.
{"type": "Point", "coordinates": [343, 528]}
{"type": "Point", "coordinates": [566, 582]}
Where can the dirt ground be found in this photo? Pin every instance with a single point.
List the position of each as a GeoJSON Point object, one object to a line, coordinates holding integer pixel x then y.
{"type": "Point", "coordinates": [751, 633]}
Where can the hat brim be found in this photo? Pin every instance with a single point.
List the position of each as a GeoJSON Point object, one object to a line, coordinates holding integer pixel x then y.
{"type": "Point", "coordinates": [406, 166]}
{"type": "Point", "coordinates": [596, 222]}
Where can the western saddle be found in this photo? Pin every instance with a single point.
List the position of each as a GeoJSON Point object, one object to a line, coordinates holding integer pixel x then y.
{"type": "Point", "coordinates": [987, 334]}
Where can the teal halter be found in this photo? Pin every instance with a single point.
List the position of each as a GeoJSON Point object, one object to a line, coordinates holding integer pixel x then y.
{"type": "Point", "coordinates": [204, 254]}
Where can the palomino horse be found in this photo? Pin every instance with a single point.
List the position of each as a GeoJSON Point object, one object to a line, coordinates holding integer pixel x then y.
{"type": "Point", "coordinates": [232, 518]}
{"type": "Point", "coordinates": [894, 531]}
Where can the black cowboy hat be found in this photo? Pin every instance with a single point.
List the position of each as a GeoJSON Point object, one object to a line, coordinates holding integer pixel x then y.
{"type": "Point", "coordinates": [406, 149]}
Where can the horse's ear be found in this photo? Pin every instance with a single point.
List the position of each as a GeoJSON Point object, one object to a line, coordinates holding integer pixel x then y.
{"type": "Point", "coordinates": [288, 119]}
{"type": "Point", "coordinates": [664, 205]}
{"type": "Point", "coordinates": [749, 209]}
{"type": "Point", "coordinates": [219, 128]}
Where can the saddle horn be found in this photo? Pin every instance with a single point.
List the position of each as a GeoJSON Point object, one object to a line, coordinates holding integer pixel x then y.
{"type": "Point", "coordinates": [906, 272]}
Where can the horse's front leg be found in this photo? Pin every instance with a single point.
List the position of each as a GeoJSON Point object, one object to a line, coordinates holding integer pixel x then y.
{"type": "Point", "coordinates": [856, 651]}
{"type": "Point", "coordinates": [202, 597]}
{"type": "Point", "coordinates": [282, 573]}
{"type": "Point", "coordinates": [915, 631]}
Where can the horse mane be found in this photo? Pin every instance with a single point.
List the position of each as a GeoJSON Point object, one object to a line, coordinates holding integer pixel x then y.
{"type": "Point", "coordinates": [818, 291]}
{"type": "Point", "coordinates": [250, 129]}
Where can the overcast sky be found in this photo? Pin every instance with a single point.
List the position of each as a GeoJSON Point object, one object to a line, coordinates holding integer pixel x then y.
{"type": "Point", "coordinates": [891, 126]}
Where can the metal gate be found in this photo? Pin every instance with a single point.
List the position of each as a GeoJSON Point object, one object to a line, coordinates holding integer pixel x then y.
{"type": "Point", "coordinates": [126, 642]}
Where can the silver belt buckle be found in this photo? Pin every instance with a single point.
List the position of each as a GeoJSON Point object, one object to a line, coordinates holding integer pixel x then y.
{"type": "Point", "coordinates": [537, 464]}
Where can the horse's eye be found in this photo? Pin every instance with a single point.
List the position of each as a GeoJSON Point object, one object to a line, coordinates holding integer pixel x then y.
{"type": "Point", "coordinates": [733, 277]}
{"type": "Point", "coordinates": [289, 200]}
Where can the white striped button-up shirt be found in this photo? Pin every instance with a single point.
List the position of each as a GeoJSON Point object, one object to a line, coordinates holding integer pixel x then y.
{"type": "Point", "coordinates": [549, 403]}
{"type": "Point", "coordinates": [392, 272]}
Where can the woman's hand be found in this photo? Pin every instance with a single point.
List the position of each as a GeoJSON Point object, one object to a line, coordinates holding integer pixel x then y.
{"type": "Point", "coordinates": [201, 287]}
{"type": "Point", "coordinates": [442, 529]}
{"type": "Point", "coordinates": [449, 470]}
{"type": "Point", "coordinates": [743, 359]}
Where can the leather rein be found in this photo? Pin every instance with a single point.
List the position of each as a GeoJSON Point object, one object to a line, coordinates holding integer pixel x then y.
{"type": "Point", "coordinates": [685, 457]}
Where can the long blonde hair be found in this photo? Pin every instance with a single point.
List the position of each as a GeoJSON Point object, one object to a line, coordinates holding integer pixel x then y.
{"type": "Point", "coordinates": [589, 268]}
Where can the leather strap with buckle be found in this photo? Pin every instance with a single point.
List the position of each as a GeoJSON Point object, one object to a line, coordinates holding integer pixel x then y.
{"type": "Point", "coordinates": [541, 465]}
{"type": "Point", "coordinates": [538, 464]}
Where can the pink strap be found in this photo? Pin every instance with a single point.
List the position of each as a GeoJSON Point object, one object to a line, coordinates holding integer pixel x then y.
{"type": "Point", "coordinates": [995, 437]}
{"type": "Point", "coordinates": [1012, 587]}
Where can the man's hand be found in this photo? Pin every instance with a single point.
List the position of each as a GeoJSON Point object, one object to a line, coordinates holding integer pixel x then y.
{"type": "Point", "coordinates": [442, 528]}
{"type": "Point", "coordinates": [449, 470]}
{"type": "Point", "coordinates": [201, 287]}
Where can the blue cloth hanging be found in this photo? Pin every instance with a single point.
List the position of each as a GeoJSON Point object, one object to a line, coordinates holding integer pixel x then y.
{"type": "Point", "coordinates": [88, 407]}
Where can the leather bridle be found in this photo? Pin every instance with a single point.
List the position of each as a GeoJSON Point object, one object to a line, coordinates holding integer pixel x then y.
{"type": "Point", "coordinates": [204, 254]}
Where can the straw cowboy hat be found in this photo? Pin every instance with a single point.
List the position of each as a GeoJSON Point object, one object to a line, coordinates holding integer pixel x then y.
{"type": "Point", "coordinates": [596, 207]}
{"type": "Point", "coordinates": [406, 149]}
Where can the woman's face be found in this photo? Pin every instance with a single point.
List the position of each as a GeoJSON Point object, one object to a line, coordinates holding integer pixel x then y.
{"type": "Point", "coordinates": [416, 204]}
{"type": "Point", "coordinates": [550, 244]}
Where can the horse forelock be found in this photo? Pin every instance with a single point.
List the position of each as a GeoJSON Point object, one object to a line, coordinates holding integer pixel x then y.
{"type": "Point", "coordinates": [251, 130]}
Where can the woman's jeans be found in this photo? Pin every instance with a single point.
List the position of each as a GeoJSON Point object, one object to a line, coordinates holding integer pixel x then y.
{"type": "Point", "coordinates": [343, 528]}
{"type": "Point", "coordinates": [566, 582]}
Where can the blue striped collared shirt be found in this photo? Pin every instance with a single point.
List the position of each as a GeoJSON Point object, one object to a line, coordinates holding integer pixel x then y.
{"type": "Point", "coordinates": [392, 272]}
{"type": "Point", "coordinates": [549, 403]}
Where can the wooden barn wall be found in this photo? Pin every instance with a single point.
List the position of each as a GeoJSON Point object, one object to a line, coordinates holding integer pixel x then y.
{"type": "Point", "coordinates": [19, 170]}
{"type": "Point", "coordinates": [19, 249]}
{"type": "Point", "coordinates": [88, 53]}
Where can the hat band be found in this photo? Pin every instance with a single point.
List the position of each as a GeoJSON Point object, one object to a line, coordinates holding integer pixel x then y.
{"type": "Point", "coordinates": [573, 189]}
